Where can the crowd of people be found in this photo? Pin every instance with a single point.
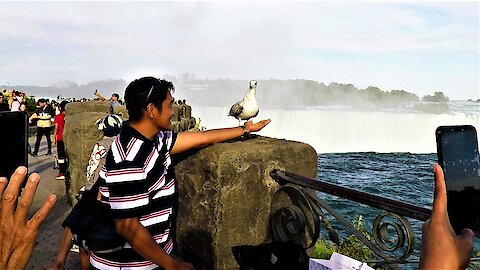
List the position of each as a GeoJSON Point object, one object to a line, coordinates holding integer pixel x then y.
{"type": "Point", "coordinates": [135, 194]}
{"type": "Point", "coordinates": [12, 100]}
{"type": "Point", "coordinates": [48, 114]}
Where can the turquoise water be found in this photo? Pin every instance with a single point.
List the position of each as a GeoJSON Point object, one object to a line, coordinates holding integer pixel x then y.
{"type": "Point", "coordinates": [400, 176]}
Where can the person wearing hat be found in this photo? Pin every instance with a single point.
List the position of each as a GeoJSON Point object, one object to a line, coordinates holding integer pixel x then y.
{"type": "Point", "coordinates": [44, 125]}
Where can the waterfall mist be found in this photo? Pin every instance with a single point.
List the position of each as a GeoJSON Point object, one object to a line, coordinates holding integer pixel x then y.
{"type": "Point", "coordinates": [340, 131]}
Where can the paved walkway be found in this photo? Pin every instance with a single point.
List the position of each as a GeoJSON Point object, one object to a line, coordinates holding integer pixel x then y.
{"type": "Point", "coordinates": [48, 239]}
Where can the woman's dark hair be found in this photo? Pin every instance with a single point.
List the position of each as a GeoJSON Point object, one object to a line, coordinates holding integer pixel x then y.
{"type": "Point", "coordinates": [144, 91]}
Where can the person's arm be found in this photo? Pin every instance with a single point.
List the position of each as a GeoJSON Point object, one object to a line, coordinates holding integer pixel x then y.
{"type": "Point", "coordinates": [63, 250]}
{"type": "Point", "coordinates": [17, 232]}
{"type": "Point", "coordinates": [33, 116]}
{"type": "Point", "coordinates": [55, 132]}
{"type": "Point", "coordinates": [142, 242]}
{"type": "Point", "coordinates": [190, 139]}
{"type": "Point", "coordinates": [102, 98]}
{"type": "Point", "coordinates": [441, 248]}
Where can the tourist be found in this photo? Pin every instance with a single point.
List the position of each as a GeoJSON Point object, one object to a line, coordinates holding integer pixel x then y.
{"type": "Point", "coordinates": [59, 122]}
{"type": "Point", "coordinates": [137, 179]}
{"type": "Point", "coordinates": [44, 124]}
{"type": "Point", "coordinates": [114, 100]}
{"type": "Point", "coordinates": [15, 101]}
{"type": "Point", "coordinates": [18, 233]}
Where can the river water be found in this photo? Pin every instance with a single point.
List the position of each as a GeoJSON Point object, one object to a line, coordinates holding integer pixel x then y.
{"type": "Point", "coordinates": [403, 177]}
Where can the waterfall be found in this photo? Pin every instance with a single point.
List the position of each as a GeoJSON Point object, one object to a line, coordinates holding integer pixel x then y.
{"type": "Point", "coordinates": [331, 130]}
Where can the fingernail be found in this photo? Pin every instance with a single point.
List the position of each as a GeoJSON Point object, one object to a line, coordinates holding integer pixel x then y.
{"type": "Point", "coordinates": [3, 180]}
{"type": "Point", "coordinates": [34, 177]}
{"type": "Point", "coordinates": [21, 170]}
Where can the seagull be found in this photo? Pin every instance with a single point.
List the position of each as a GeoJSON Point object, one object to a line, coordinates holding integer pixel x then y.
{"type": "Point", "coordinates": [248, 106]}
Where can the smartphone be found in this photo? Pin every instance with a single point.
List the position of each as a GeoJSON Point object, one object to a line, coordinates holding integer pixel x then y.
{"type": "Point", "coordinates": [14, 144]}
{"type": "Point", "coordinates": [457, 150]}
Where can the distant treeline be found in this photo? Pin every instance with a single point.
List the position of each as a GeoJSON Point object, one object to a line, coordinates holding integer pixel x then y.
{"type": "Point", "coordinates": [299, 92]}
{"type": "Point", "coordinates": [271, 93]}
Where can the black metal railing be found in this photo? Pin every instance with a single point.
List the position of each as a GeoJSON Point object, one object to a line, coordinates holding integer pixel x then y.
{"type": "Point", "coordinates": [302, 213]}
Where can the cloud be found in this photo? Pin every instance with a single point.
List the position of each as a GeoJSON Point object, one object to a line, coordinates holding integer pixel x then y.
{"type": "Point", "coordinates": [85, 41]}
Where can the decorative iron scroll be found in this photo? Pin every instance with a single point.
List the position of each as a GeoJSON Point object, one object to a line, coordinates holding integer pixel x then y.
{"type": "Point", "coordinates": [292, 222]}
{"type": "Point", "coordinates": [297, 214]}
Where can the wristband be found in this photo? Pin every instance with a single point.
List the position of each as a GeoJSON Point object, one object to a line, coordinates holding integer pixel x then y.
{"type": "Point", "coordinates": [245, 131]}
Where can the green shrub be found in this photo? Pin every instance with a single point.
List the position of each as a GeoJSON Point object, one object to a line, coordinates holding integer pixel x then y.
{"type": "Point", "coordinates": [30, 104]}
{"type": "Point", "coordinates": [323, 249]}
{"type": "Point", "coordinates": [351, 246]}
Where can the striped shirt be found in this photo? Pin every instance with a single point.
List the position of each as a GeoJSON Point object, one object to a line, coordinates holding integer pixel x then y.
{"type": "Point", "coordinates": [137, 180]}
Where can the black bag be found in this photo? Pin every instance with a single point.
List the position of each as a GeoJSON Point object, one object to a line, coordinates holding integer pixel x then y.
{"type": "Point", "coordinates": [92, 225]}
{"type": "Point", "coordinates": [271, 256]}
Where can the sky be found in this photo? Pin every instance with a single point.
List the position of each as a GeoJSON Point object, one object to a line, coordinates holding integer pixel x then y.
{"type": "Point", "coordinates": [420, 47]}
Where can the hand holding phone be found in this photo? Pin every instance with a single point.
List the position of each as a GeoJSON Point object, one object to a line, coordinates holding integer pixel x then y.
{"type": "Point", "coordinates": [441, 247]}
{"type": "Point", "coordinates": [458, 155]}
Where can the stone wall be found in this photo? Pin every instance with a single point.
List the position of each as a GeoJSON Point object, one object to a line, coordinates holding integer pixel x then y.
{"type": "Point", "coordinates": [225, 193]}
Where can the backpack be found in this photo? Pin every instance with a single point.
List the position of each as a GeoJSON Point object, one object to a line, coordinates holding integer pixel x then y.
{"type": "Point", "coordinates": [92, 224]}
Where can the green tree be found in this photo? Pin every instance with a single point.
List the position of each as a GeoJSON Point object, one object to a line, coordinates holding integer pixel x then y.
{"type": "Point", "coordinates": [373, 94]}
{"type": "Point", "coordinates": [437, 97]}
{"type": "Point", "coordinates": [30, 104]}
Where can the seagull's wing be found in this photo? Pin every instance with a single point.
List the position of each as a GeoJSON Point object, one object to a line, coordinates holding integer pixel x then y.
{"type": "Point", "coordinates": [236, 109]}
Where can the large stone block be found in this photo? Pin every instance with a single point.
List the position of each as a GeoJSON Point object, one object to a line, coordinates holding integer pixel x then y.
{"type": "Point", "coordinates": [90, 106]}
{"type": "Point", "coordinates": [80, 135]}
{"type": "Point", "coordinates": [121, 110]}
{"type": "Point", "coordinates": [225, 193]}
